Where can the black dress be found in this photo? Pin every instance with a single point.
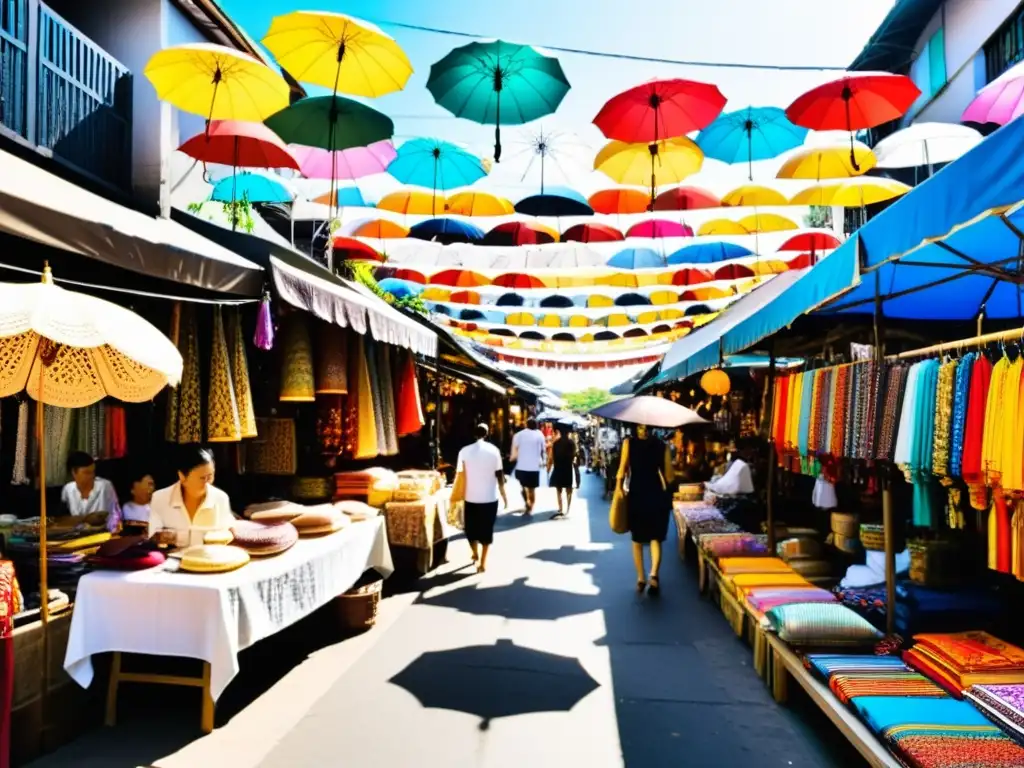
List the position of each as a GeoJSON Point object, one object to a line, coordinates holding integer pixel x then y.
{"type": "Point", "coordinates": [648, 503]}
{"type": "Point", "coordinates": [563, 455]}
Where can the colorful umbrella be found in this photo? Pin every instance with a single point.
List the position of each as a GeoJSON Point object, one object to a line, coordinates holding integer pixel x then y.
{"type": "Point", "coordinates": [557, 301]}
{"type": "Point", "coordinates": [510, 300]}
{"type": "Point", "coordinates": [636, 258]}
{"type": "Point", "coordinates": [851, 193]}
{"type": "Point", "coordinates": [767, 222]}
{"type": "Point", "coordinates": [803, 261]}
{"type": "Point", "coordinates": [827, 163]}
{"type": "Point", "coordinates": [459, 278]}
{"type": "Point", "coordinates": [659, 228]}
{"type": "Point", "coordinates": [632, 300]}
{"type": "Point", "coordinates": [498, 82]}
{"type": "Point", "coordinates": [708, 253]}
{"type": "Point", "coordinates": [479, 204]}
{"type": "Point", "coordinates": [853, 103]}
{"type": "Point", "coordinates": [216, 82]}
{"type": "Point", "coordinates": [252, 187]}
{"type": "Point", "coordinates": [999, 102]}
{"type": "Point", "coordinates": [400, 289]}
{"type": "Point", "coordinates": [436, 164]}
{"type": "Point", "coordinates": [446, 231]}
{"type": "Point", "coordinates": [720, 227]}
{"type": "Point", "coordinates": [351, 197]}
{"type": "Point", "coordinates": [686, 198]}
{"type": "Point", "coordinates": [660, 109]}
{"type": "Point", "coordinates": [556, 201]}
{"type": "Point", "coordinates": [465, 297]}
{"type": "Point", "coordinates": [568, 256]}
{"type": "Point", "coordinates": [353, 163]}
{"type": "Point", "coordinates": [520, 233]}
{"type": "Point", "coordinates": [354, 250]}
{"type": "Point", "coordinates": [241, 145]}
{"type": "Point", "coordinates": [810, 241]}
{"type": "Point", "coordinates": [926, 144]}
{"type": "Point", "coordinates": [411, 201]}
{"type": "Point", "coordinates": [518, 281]}
{"type": "Point", "coordinates": [339, 52]}
{"type": "Point", "coordinates": [520, 318]}
{"type": "Point", "coordinates": [733, 272]}
{"type": "Point", "coordinates": [331, 122]}
{"type": "Point", "coordinates": [671, 161]}
{"type": "Point", "coordinates": [557, 152]}
{"type": "Point", "coordinates": [592, 233]}
{"type": "Point", "coordinates": [691, 276]}
{"type": "Point", "coordinates": [623, 200]}
{"type": "Point", "coordinates": [382, 229]}
{"type": "Point", "coordinates": [754, 195]}
{"type": "Point", "coordinates": [754, 133]}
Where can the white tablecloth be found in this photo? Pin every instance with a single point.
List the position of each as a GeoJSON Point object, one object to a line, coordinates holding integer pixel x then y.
{"type": "Point", "coordinates": [214, 616]}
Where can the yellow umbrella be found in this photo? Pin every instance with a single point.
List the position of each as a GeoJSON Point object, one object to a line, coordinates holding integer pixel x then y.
{"type": "Point", "coordinates": [550, 321]}
{"type": "Point", "coordinates": [767, 222]}
{"type": "Point", "coordinates": [412, 202]}
{"type": "Point", "coordinates": [768, 267]}
{"type": "Point", "coordinates": [339, 52]}
{"type": "Point", "coordinates": [616, 320]}
{"type": "Point", "coordinates": [479, 204]}
{"type": "Point", "coordinates": [664, 297]}
{"type": "Point", "coordinates": [579, 321]}
{"type": "Point", "coordinates": [216, 82]}
{"type": "Point", "coordinates": [671, 314]}
{"type": "Point", "coordinates": [435, 293]}
{"type": "Point", "coordinates": [754, 195]}
{"type": "Point", "coordinates": [520, 318]}
{"type": "Point", "coordinates": [651, 317]}
{"type": "Point", "coordinates": [664, 162]}
{"type": "Point", "coordinates": [597, 300]}
{"type": "Point", "coordinates": [851, 193]}
{"type": "Point", "coordinates": [722, 227]}
{"type": "Point", "coordinates": [829, 162]}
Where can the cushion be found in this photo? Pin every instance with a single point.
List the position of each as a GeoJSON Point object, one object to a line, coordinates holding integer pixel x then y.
{"type": "Point", "coordinates": [357, 510]}
{"type": "Point", "coordinates": [264, 539]}
{"type": "Point", "coordinates": [319, 520]}
{"type": "Point", "coordinates": [217, 537]}
{"type": "Point", "coordinates": [814, 624]}
{"type": "Point", "coordinates": [124, 546]}
{"type": "Point", "coordinates": [213, 558]}
{"type": "Point", "coordinates": [273, 511]}
{"type": "Point", "coordinates": [139, 562]}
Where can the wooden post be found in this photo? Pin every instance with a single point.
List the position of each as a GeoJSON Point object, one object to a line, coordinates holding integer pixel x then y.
{"type": "Point", "coordinates": [437, 412]}
{"type": "Point", "coordinates": [887, 514]}
{"type": "Point", "coordinates": [769, 407]}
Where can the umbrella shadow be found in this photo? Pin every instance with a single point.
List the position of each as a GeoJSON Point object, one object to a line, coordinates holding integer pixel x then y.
{"type": "Point", "coordinates": [568, 554]}
{"type": "Point", "coordinates": [515, 601]}
{"type": "Point", "coordinates": [500, 680]}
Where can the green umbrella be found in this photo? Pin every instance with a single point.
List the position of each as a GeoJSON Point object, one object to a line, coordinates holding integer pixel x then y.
{"type": "Point", "coordinates": [333, 123]}
{"type": "Point", "coordinates": [498, 82]}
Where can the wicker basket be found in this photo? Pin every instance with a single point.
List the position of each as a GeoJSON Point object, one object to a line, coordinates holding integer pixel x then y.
{"type": "Point", "coordinates": [935, 564]}
{"type": "Point", "coordinates": [848, 544]}
{"type": "Point", "coordinates": [872, 536]}
{"type": "Point", "coordinates": [845, 524]}
{"type": "Point", "coordinates": [357, 608]}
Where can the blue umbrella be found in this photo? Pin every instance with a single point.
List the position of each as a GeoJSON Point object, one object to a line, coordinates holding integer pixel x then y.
{"type": "Point", "coordinates": [436, 164]}
{"type": "Point", "coordinates": [556, 201]}
{"type": "Point", "coordinates": [254, 187]}
{"type": "Point", "coordinates": [746, 135]}
{"type": "Point", "coordinates": [636, 258]}
{"type": "Point", "coordinates": [351, 197]}
{"type": "Point", "coordinates": [708, 253]}
{"type": "Point", "coordinates": [446, 231]}
{"type": "Point", "coordinates": [400, 289]}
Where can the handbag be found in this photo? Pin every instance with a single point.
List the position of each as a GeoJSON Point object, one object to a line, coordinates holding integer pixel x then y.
{"type": "Point", "coordinates": [459, 487]}
{"type": "Point", "coordinates": [618, 516]}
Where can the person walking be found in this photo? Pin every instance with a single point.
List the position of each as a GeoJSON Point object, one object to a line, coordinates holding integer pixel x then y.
{"type": "Point", "coordinates": [562, 464]}
{"type": "Point", "coordinates": [485, 482]}
{"type": "Point", "coordinates": [529, 452]}
{"type": "Point", "coordinates": [645, 473]}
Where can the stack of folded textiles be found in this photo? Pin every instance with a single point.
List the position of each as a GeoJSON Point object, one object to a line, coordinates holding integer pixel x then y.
{"type": "Point", "coordinates": [733, 544]}
{"type": "Point", "coordinates": [1002, 704]}
{"type": "Point", "coordinates": [375, 485]}
{"type": "Point", "coordinates": [763, 599]}
{"type": "Point", "coordinates": [740, 573]}
{"type": "Point", "coordinates": [959, 660]}
{"type": "Point", "coordinates": [712, 525]}
{"type": "Point", "coordinates": [852, 676]}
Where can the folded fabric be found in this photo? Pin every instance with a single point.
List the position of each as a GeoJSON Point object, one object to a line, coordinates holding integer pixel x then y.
{"type": "Point", "coordinates": [765, 600]}
{"type": "Point", "coordinates": [740, 581]}
{"type": "Point", "coordinates": [828, 664]}
{"type": "Point", "coordinates": [1002, 704]}
{"type": "Point", "coordinates": [973, 651]}
{"type": "Point", "coordinates": [733, 544]}
{"type": "Point", "coordinates": [918, 659]}
{"type": "Point", "coordinates": [753, 565]}
{"type": "Point", "coordinates": [883, 713]}
{"type": "Point", "coordinates": [847, 686]}
{"type": "Point", "coordinates": [821, 624]}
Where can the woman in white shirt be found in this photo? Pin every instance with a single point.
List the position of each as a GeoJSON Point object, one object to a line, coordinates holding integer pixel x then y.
{"type": "Point", "coordinates": [182, 514]}
{"type": "Point", "coordinates": [136, 510]}
{"type": "Point", "coordinates": [86, 493]}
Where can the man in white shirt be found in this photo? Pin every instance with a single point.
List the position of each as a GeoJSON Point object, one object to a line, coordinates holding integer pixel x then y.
{"type": "Point", "coordinates": [736, 481]}
{"type": "Point", "coordinates": [529, 452]}
{"type": "Point", "coordinates": [485, 481]}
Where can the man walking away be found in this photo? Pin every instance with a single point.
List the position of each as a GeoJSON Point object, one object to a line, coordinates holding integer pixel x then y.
{"type": "Point", "coordinates": [529, 452]}
{"type": "Point", "coordinates": [485, 481]}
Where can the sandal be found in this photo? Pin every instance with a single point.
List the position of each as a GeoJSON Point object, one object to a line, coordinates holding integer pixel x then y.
{"type": "Point", "coordinates": [641, 585]}
{"type": "Point", "coordinates": [655, 588]}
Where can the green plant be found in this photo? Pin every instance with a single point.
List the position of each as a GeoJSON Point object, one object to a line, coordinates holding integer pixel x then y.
{"type": "Point", "coordinates": [587, 399]}
{"type": "Point", "coordinates": [820, 216]}
{"type": "Point", "coordinates": [362, 273]}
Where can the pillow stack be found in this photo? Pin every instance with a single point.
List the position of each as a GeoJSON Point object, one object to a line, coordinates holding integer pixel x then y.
{"type": "Point", "coordinates": [213, 558]}
{"type": "Point", "coordinates": [319, 521]}
{"type": "Point", "coordinates": [264, 539]}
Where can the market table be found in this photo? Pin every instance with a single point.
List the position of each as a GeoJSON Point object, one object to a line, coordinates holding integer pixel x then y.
{"type": "Point", "coordinates": [212, 617]}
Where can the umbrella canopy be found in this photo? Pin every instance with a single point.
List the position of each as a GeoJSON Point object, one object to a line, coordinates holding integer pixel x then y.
{"type": "Point", "coordinates": [754, 195]}
{"type": "Point", "coordinates": [664, 162]}
{"type": "Point", "coordinates": [851, 193]}
{"type": "Point", "coordinates": [691, 276]}
{"type": "Point", "coordinates": [254, 187]}
{"type": "Point", "coordinates": [708, 253]}
{"type": "Point", "coordinates": [556, 201]}
{"type": "Point", "coordinates": [382, 229]}
{"type": "Point", "coordinates": [339, 52]}
{"type": "Point", "coordinates": [400, 289]}
{"type": "Point", "coordinates": [497, 82]}
{"type": "Point", "coordinates": [556, 301]}
{"type": "Point", "coordinates": [659, 228]}
{"type": "Point", "coordinates": [722, 227]}
{"type": "Point", "coordinates": [348, 249]}
{"type": "Point", "coordinates": [767, 222]}
{"type": "Point", "coordinates": [754, 133]}
{"type": "Point", "coordinates": [352, 163]}
{"type": "Point", "coordinates": [520, 233]}
{"type": "Point", "coordinates": [332, 123]}
{"type": "Point", "coordinates": [400, 273]}
{"type": "Point", "coordinates": [241, 145]}
{"type": "Point", "coordinates": [652, 411]}
{"type": "Point", "coordinates": [459, 278]}
{"type": "Point", "coordinates": [999, 102]}
{"type": "Point", "coordinates": [510, 300]}
{"type": "Point", "coordinates": [518, 281]}
{"type": "Point", "coordinates": [828, 162]}
{"type": "Point", "coordinates": [686, 198]}
{"type": "Point", "coordinates": [733, 272]}
{"type": "Point", "coordinates": [926, 144]}
{"type": "Point", "coordinates": [810, 241]}
{"type": "Point", "coordinates": [216, 82]}
{"type": "Point", "coordinates": [632, 300]}
{"type": "Point", "coordinates": [479, 204]}
{"type": "Point", "coordinates": [660, 109]}
{"type": "Point", "coordinates": [446, 231]}
{"type": "Point", "coordinates": [411, 202]}
{"type": "Point", "coordinates": [636, 258]}
{"type": "Point", "coordinates": [350, 197]}
{"type": "Point", "coordinates": [593, 233]}
{"type": "Point", "coordinates": [435, 164]}
{"type": "Point", "coordinates": [566, 256]}
{"type": "Point", "coordinates": [465, 297]}
{"type": "Point", "coordinates": [624, 200]}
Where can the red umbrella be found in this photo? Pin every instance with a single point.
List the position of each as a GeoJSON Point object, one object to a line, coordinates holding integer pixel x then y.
{"type": "Point", "coordinates": [520, 233]}
{"type": "Point", "coordinates": [354, 250]}
{"type": "Point", "coordinates": [592, 233]}
{"type": "Point", "coordinates": [660, 109]}
{"type": "Point", "coordinates": [623, 200]}
{"type": "Point", "coordinates": [810, 241]}
{"type": "Point", "coordinates": [659, 228]}
{"type": "Point", "coordinates": [691, 276]}
{"type": "Point", "coordinates": [686, 199]}
{"type": "Point", "coordinates": [854, 103]}
{"type": "Point", "coordinates": [240, 145]}
{"type": "Point", "coordinates": [459, 278]}
{"type": "Point", "coordinates": [465, 297]}
{"type": "Point", "coordinates": [410, 275]}
{"type": "Point", "coordinates": [518, 280]}
{"type": "Point", "coordinates": [733, 272]}
{"type": "Point", "coordinates": [802, 261]}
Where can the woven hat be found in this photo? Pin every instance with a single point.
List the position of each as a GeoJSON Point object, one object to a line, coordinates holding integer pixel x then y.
{"type": "Point", "coordinates": [262, 539]}
{"type": "Point", "coordinates": [356, 510]}
{"type": "Point", "coordinates": [319, 520]}
{"type": "Point", "coordinates": [332, 360]}
{"type": "Point", "coordinates": [297, 385]}
{"type": "Point", "coordinates": [213, 558]}
{"type": "Point", "coordinates": [274, 511]}
{"type": "Point", "coordinates": [217, 537]}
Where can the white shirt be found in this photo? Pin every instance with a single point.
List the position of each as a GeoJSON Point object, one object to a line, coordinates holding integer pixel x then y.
{"type": "Point", "coordinates": [481, 462]}
{"type": "Point", "coordinates": [167, 512]}
{"type": "Point", "coordinates": [530, 449]}
{"type": "Point", "coordinates": [136, 513]}
{"type": "Point", "coordinates": [736, 480]}
{"type": "Point", "coordinates": [103, 498]}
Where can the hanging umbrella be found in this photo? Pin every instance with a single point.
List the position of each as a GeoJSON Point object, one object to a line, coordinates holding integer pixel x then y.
{"type": "Point", "coordinates": [479, 204]}
{"type": "Point", "coordinates": [632, 300]}
{"type": "Point", "coordinates": [556, 301]}
{"type": "Point", "coordinates": [659, 228]}
{"type": "Point", "coordinates": [810, 241]}
{"type": "Point", "coordinates": [623, 200]}
{"type": "Point", "coordinates": [459, 278]}
{"type": "Point", "coordinates": [733, 272]}
{"type": "Point", "coordinates": [253, 187]}
{"type": "Point", "coordinates": [353, 163]}
{"type": "Point", "coordinates": [518, 281]}
{"type": "Point", "coordinates": [520, 318]}
{"type": "Point", "coordinates": [708, 253]}
{"type": "Point", "coordinates": [651, 411]}
{"type": "Point", "coordinates": [592, 233]}
{"type": "Point", "coordinates": [754, 133]}
{"type": "Point", "coordinates": [1000, 101]}
{"type": "Point", "coordinates": [411, 202]}
{"type": "Point", "coordinates": [926, 144]}
{"type": "Point", "coordinates": [851, 193]}
{"type": "Point", "coordinates": [510, 300]}
{"type": "Point", "coordinates": [216, 82]}
{"type": "Point", "coordinates": [407, 275]}
{"type": "Point", "coordinates": [753, 196]}
{"type": "Point", "coordinates": [560, 156]}
{"type": "Point", "coordinates": [802, 261]}
{"type": "Point", "coordinates": [827, 162]}
{"type": "Point", "coordinates": [691, 276]}
{"type": "Point", "coordinates": [382, 229]}
{"type": "Point", "coordinates": [636, 258]}
{"type": "Point", "coordinates": [669, 161]}
{"type": "Point", "coordinates": [556, 201]}
{"type": "Point", "coordinates": [616, 320]}
{"type": "Point", "coordinates": [498, 83]}
{"type": "Point", "coordinates": [446, 231]}
{"type": "Point", "coordinates": [721, 227]}
{"type": "Point", "coordinates": [660, 109]}
{"type": "Point", "coordinates": [568, 256]}
{"type": "Point", "coordinates": [767, 222]}
{"type": "Point", "coordinates": [520, 233]}
{"type": "Point", "coordinates": [853, 103]}
{"type": "Point", "coordinates": [344, 197]}
{"type": "Point", "coordinates": [354, 250]}
{"type": "Point", "coordinates": [465, 297]}
{"type": "Point", "coordinates": [686, 198]}
{"type": "Point", "coordinates": [663, 297]}
{"type": "Point", "coordinates": [400, 289]}
{"type": "Point", "coordinates": [332, 123]}
{"type": "Point", "coordinates": [241, 145]}
{"type": "Point", "coordinates": [436, 164]}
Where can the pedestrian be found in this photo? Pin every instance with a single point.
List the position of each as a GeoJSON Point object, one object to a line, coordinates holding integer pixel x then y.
{"type": "Point", "coordinates": [644, 476]}
{"type": "Point", "coordinates": [529, 452]}
{"type": "Point", "coordinates": [562, 464]}
{"type": "Point", "coordinates": [485, 482]}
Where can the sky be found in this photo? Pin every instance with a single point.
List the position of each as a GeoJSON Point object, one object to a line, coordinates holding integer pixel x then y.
{"type": "Point", "coordinates": [802, 33]}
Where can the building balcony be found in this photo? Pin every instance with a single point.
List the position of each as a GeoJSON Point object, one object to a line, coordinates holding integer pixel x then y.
{"type": "Point", "coordinates": [63, 95]}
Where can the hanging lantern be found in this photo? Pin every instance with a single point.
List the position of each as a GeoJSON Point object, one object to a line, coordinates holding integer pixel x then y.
{"type": "Point", "coordinates": [297, 384]}
{"type": "Point", "coordinates": [332, 361]}
{"type": "Point", "coordinates": [715, 382]}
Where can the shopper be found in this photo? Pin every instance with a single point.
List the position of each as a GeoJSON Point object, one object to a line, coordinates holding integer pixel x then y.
{"type": "Point", "coordinates": [485, 482]}
{"type": "Point", "coordinates": [529, 452]}
{"type": "Point", "coordinates": [562, 464]}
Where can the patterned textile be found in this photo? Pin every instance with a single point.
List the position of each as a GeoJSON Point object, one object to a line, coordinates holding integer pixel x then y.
{"type": "Point", "coordinates": [895, 386]}
{"type": "Point", "coordinates": [944, 418]}
{"type": "Point", "coordinates": [974, 651]}
{"type": "Point", "coordinates": [240, 377]}
{"type": "Point", "coordinates": [828, 664]}
{"type": "Point", "coordinates": [297, 383]}
{"type": "Point", "coordinates": [733, 544]}
{"type": "Point", "coordinates": [276, 452]}
{"type": "Point", "coordinates": [387, 396]}
{"type": "Point", "coordinates": [961, 391]}
{"type": "Point", "coordinates": [763, 599]}
{"type": "Point", "coordinates": [184, 405]}
{"type": "Point", "coordinates": [718, 525]}
{"type": "Point", "coordinates": [20, 474]}
{"type": "Point", "coordinates": [330, 429]}
{"type": "Point", "coordinates": [222, 422]}
{"type": "Point", "coordinates": [1002, 704]}
{"type": "Point", "coordinates": [848, 686]}
{"type": "Point", "coordinates": [821, 624]}
{"type": "Point", "coordinates": [414, 524]}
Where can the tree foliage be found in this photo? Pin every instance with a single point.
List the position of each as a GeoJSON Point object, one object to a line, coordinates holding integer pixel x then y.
{"type": "Point", "coordinates": [587, 399]}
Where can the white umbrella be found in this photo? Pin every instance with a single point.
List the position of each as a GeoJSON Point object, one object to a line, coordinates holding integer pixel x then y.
{"type": "Point", "coordinates": [652, 411]}
{"type": "Point", "coordinates": [925, 144]}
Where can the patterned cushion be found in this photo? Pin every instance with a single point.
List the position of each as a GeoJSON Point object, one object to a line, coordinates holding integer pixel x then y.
{"type": "Point", "coordinates": [273, 511]}
{"type": "Point", "coordinates": [264, 539]}
{"type": "Point", "coordinates": [814, 624]}
{"type": "Point", "coordinates": [213, 558]}
{"type": "Point", "coordinates": [828, 664]}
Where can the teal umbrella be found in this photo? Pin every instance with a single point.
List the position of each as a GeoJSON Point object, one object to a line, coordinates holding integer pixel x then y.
{"type": "Point", "coordinates": [498, 82]}
{"type": "Point", "coordinates": [436, 164]}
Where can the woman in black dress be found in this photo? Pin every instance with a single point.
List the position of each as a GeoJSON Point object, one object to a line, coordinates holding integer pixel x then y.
{"type": "Point", "coordinates": [647, 467]}
{"type": "Point", "coordinates": [562, 466]}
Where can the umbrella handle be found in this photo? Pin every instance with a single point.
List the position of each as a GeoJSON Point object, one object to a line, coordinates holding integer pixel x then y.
{"type": "Point", "coordinates": [497, 116]}
{"type": "Point", "coordinates": [849, 126]}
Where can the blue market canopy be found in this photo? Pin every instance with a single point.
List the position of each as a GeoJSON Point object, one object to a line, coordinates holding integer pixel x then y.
{"type": "Point", "coordinates": [555, 201]}
{"type": "Point", "coordinates": [708, 253]}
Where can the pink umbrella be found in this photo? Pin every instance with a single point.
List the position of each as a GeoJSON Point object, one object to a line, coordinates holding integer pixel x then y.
{"type": "Point", "coordinates": [1000, 101]}
{"type": "Point", "coordinates": [659, 228]}
{"type": "Point", "coordinates": [355, 163]}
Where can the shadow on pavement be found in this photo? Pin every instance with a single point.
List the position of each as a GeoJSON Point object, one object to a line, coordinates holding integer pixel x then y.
{"type": "Point", "coordinates": [517, 600]}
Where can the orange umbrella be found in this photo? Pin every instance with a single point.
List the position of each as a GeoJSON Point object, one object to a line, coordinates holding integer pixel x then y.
{"type": "Point", "coordinates": [465, 297]}
{"type": "Point", "coordinates": [691, 276]}
{"type": "Point", "coordinates": [459, 278]}
{"type": "Point", "coordinates": [348, 249]}
{"type": "Point", "coordinates": [479, 204]}
{"type": "Point", "coordinates": [382, 229]}
{"type": "Point", "coordinates": [686, 198]}
{"type": "Point", "coordinates": [518, 280]}
{"type": "Point", "coordinates": [412, 201]}
{"type": "Point", "coordinates": [621, 200]}
{"type": "Point", "coordinates": [411, 275]}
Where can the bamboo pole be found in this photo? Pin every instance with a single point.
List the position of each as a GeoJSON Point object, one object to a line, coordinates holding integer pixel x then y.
{"type": "Point", "coordinates": [769, 407]}
{"type": "Point", "coordinates": [883, 477]}
{"type": "Point", "coordinates": [1014, 334]}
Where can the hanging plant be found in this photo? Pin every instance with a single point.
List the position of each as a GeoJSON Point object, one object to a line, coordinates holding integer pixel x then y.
{"type": "Point", "coordinates": [362, 273]}
{"type": "Point", "coordinates": [238, 213]}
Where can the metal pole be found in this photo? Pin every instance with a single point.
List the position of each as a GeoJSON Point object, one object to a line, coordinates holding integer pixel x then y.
{"type": "Point", "coordinates": [770, 407]}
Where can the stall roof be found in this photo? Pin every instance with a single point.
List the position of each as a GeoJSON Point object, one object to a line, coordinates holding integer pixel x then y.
{"type": "Point", "coordinates": [38, 205]}
{"type": "Point", "coordinates": [891, 47]}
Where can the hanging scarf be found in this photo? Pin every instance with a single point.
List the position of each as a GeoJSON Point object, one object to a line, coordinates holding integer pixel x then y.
{"type": "Point", "coordinates": [958, 426]}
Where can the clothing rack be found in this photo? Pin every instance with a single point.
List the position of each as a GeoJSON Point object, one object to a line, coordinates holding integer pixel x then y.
{"type": "Point", "coordinates": [1014, 334]}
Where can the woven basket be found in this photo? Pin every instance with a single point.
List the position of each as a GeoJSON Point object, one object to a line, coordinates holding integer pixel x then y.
{"type": "Point", "coordinates": [845, 524]}
{"type": "Point", "coordinates": [848, 544]}
{"type": "Point", "coordinates": [935, 564]}
{"type": "Point", "coordinates": [812, 569]}
{"type": "Point", "coordinates": [872, 536]}
{"type": "Point", "coordinates": [357, 608]}
{"type": "Point", "coordinates": [312, 488]}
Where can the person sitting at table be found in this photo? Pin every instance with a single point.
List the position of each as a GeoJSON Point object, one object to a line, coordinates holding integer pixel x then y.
{"type": "Point", "coordinates": [141, 488]}
{"type": "Point", "coordinates": [182, 514]}
{"type": "Point", "coordinates": [86, 493]}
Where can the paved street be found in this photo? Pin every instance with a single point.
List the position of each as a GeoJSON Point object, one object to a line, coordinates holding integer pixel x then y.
{"type": "Point", "coordinates": [658, 682]}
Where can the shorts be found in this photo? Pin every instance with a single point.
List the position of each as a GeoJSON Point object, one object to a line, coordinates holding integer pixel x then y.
{"type": "Point", "coordinates": [479, 521]}
{"type": "Point", "coordinates": [528, 479]}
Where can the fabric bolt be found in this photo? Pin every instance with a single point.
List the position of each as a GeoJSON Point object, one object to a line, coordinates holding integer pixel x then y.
{"type": "Point", "coordinates": [906, 429]}
{"type": "Point", "coordinates": [409, 408]}
{"type": "Point", "coordinates": [828, 664]}
{"type": "Point", "coordinates": [926, 510]}
{"type": "Point", "coordinates": [1002, 704]}
{"type": "Point", "coordinates": [807, 395]}
{"type": "Point", "coordinates": [19, 476]}
{"type": "Point", "coordinates": [849, 686]}
{"type": "Point", "coordinates": [973, 651]}
{"type": "Point", "coordinates": [366, 430]}
{"type": "Point", "coordinates": [958, 425]}
{"type": "Point", "coordinates": [943, 427]}
{"type": "Point", "coordinates": [240, 377]}
{"type": "Point", "coordinates": [222, 422]}
{"type": "Point", "coordinates": [992, 443]}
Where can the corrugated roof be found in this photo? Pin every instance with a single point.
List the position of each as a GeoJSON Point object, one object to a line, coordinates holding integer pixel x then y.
{"type": "Point", "coordinates": [891, 47]}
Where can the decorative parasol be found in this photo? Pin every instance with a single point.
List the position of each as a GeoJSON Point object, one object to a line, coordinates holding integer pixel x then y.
{"type": "Point", "coordinates": [651, 411]}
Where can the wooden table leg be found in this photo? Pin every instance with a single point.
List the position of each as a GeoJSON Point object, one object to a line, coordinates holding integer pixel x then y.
{"type": "Point", "coordinates": [760, 652]}
{"type": "Point", "coordinates": [702, 575]}
{"type": "Point", "coordinates": [206, 720]}
{"type": "Point", "coordinates": [112, 684]}
{"type": "Point", "coordinates": [780, 679]}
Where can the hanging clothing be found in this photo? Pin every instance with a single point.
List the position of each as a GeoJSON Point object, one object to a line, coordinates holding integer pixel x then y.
{"type": "Point", "coordinates": [943, 418]}
{"type": "Point", "coordinates": [974, 431]}
{"type": "Point", "coordinates": [958, 427]}
{"type": "Point", "coordinates": [1011, 445]}
{"type": "Point", "coordinates": [895, 389]}
{"type": "Point", "coordinates": [992, 442]}
{"type": "Point", "coordinates": [387, 397]}
{"type": "Point", "coordinates": [1000, 531]}
{"type": "Point", "coordinates": [806, 407]}
{"type": "Point", "coordinates": [21, 446]}
{"type": "Point", "coordinates": [906, 425]}
{"type": "Point", "coordinates": [922, 442]}
{"type": "Point", "coordinates": [410, 410]}
{"type": "Point", "coordinates": [240, 377]}
{"type": "Point", "coordinates": [366, 445]}
{"type": "Point", "coordinates": [222, 422]}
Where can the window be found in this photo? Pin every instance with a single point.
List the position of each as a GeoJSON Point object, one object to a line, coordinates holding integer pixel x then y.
{"type": "Point", "coordinates": [937, 61]}
{"type": "Point", "coordinates": [1006, 47]}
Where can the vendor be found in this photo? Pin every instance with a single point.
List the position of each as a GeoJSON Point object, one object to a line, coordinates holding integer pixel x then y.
{"type": "Point", "coordinates": [737, 479]}
{"type": "Point", "coordinates": [141, 488]}
{"type": "Point", "coordinates": [86, 493]}
{"type": "Point", "coordinates": [182, 514]}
